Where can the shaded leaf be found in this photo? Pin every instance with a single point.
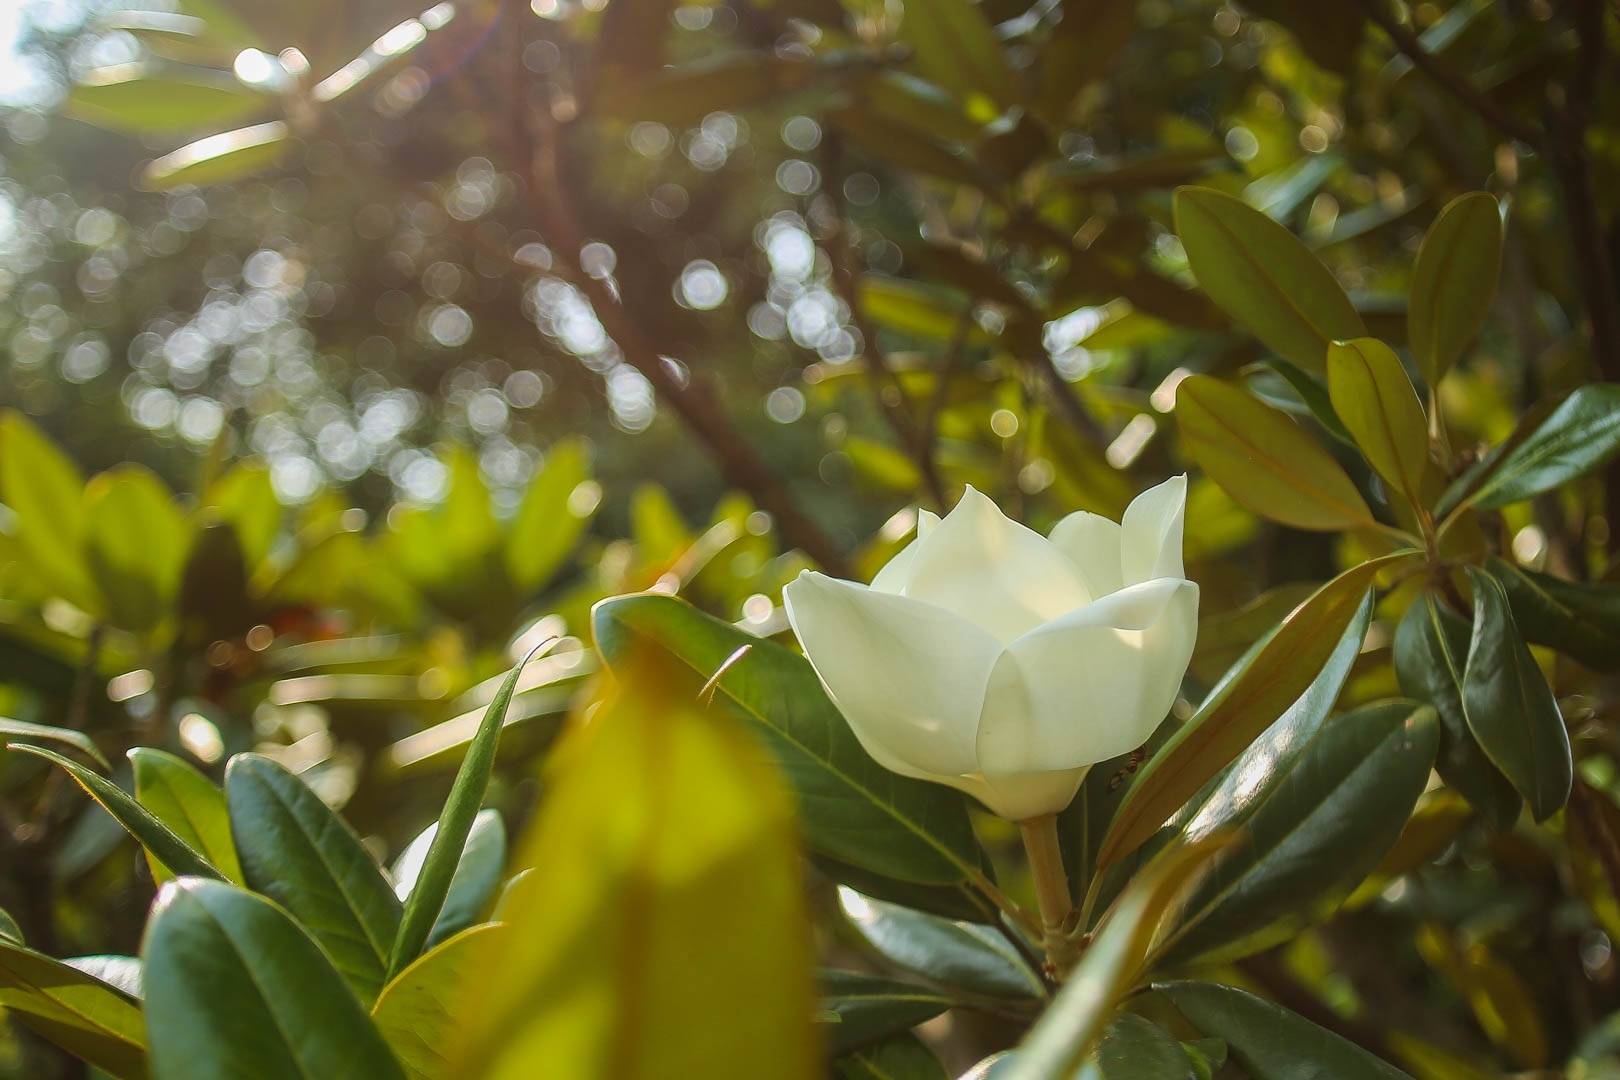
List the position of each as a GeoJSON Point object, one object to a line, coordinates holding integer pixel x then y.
{"type": "Point", "coordinates": [899, 1057]}
{"type": "Point", "coordinates": [870, 1008]}
{"type": "Point", "coordinates": [85, 1016]}
{"type": "Point", "coordinates": [1454, 282]}
{"type": "Point", "coordinates": [1577, 437]}
{"type": "Point", "coordinates": [188, 802]}
{"type": "Point", "coordinates": [477, 875]}
{"type": "Point", "coordinates": [1373, 396]}
{"type": "Point", "coordinates": [954, 45]}
{"type": "Point", "coordinates": [965, 955]}
{"type": "Point", "coordinates": [22, 729]}
{"type": "Point", "coordinates": [1582, 621]}
{"type": "Point", "coordinates": [1135, 1048]}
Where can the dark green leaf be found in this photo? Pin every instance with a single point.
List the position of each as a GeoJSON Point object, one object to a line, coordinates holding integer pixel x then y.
{"type": "Point", "coordinates": [296, 851]}
{"type": "Point", "coordinates": [188, 802]}
{"type": "Point", "coordinates": [959, 902]}
{"type": "Point", "coordinates": [477, 875]}
{"type": "Point", "coordinates": [73, 1009]}
{"type": "Point", "coordinates": [1264, 277]}
{"type": "Point", "coordinates": [1454, 282]}
{"type": "Point", "coordinates": [234, 987]}
{"type": "Point", "coordinates": [141, 823]}
{"type": "Point", "coordinates": [1578, 436]}
{"type": "Point", "coordinates": [1270, 1042]}
{"type": "Point", "coordinates": [899, 1057]}
{"type": "Point", "coordinates": [870, 1008]}
{"type": "Point", "coordinates": [959, 954]}
{"type": "Point", "coordinates": [1135, 1048]}
{"type": "Point", "coordinates": [1582, 621]}
{"type": "Point", "coordinates": [1431, 653]}
{"type": "Point", "coordinates": [852, 809]}
{"type": "Point", "coordinates": [9, 930]}
{"type": "Point", "coordinates": [1510, 708]}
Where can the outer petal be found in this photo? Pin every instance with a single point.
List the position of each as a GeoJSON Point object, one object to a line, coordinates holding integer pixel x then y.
{"type": "Point", "coordinates": [993, 571]}
{"type": "Point", "coordinates": [896, 573]}
{"type": "Point", "coordinates": [1090, 685]}
{"type": "Point", "coordinates": [1150, 541]}
{"type": "Point", "coordinates": [907, 676]}
{"type": "Point", "coordinates": [1017, 796]}
{"type": "Point", "coordinates": [1091, 542]}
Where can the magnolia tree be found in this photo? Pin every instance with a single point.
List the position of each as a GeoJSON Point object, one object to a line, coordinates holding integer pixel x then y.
{"type": "Point", "coordinates": [1114, 798]}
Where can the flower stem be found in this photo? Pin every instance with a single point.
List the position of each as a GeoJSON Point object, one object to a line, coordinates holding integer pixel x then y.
{"type": "Point", "coordinates": [1051, 892]}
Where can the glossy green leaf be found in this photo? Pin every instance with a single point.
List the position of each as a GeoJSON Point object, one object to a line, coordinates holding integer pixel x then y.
{"type": "Point", "coordinates": [477, 875]}
{"type": "Point", "coordinates": [668, 896]}
{"type": "Point", "coordinates": [1431, 653]}
{"type": "Point", "coordinates": [298, 852]}
{"type": "Point", "coordinates": [1272, 675]}
{"type": "Point", "coordinates": [550, 520]}
{"type": "Point", "coordinates": [1375, 399]}
{"type": "Point", "coordinates": [46, 491]}
{"type": "Point", "coordinates": [1264, 277]}
{"type": "Point", "coordinates": [1135, 1048]}
{"type": "Point", "coordinates": [1454, 282]}
{"type": "Point", "coordinates": [156, 837]}
{"type": "Point", "coordinates": [85, 1016]}
{"type": "Point", "coordinates": [954, 45]}
{"type": "Point", "coordinates": [220, 159]}
{"type": "Point", "coordinates": [22, 729]}
{"type": "Point", "coordinates": [1270, 1042]}
{"type": "Point", "coordinates": [1264, 460]}
{"type": "Point", "coordinates": [965, 955]}
{"type": "Point", "coordinates": [1311, 392]}
{"type": "Point", "coordinates": [125, 973]}
{"type": "Point", "coordinates": [852, 809]}
{"type": "Point", "coordinates": [1582, 621]}
{"type": "Point", "coordinates": [416, 1011]}
{"type": "Point", "coordinates": [147, 98]}
{"type": "Point", "coordinates": [9, 930]}
{"type": "Point", "coordinates": [959, 902]}
{"type": "Point", "coordinates": [1577, 437]}
{"type": "Point", "coordinates": [1318, 805]}
{"type": "Point", "coordinates": [899, 1057]}
{"type": "Point", "coordinates": [870, 1008]}
{"type": "Point", "coordinates": [1510, 708]}
{"type": "Point", "coordinates": [188, 802]}
{"type": "Point", "coordinates": [1116, 958]}
{"type": "Point", "coordinates": [234, 987]}
{"type": "Point", "coordinates": [135, 545]}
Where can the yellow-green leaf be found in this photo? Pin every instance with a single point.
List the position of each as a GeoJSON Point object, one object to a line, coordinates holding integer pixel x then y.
{"type": "Point", "coordinates": [415, 1012]}
{"type": "Point", "coordinates": [134, 545]}
{"type": "Point", "coordinates": [1454, 281]}
{"type": "Point", "coordinates": [46, 491]}
{"type": "Point", "coordinates": [1263, 460]}
{"type": "Point", "coordinates": [1380, 409]}
{"type": "Point", "coordinates": [219, 159]}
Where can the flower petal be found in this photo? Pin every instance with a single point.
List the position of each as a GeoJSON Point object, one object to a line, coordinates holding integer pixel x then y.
{"type": "Point", "coordinates": [908, 676]}
{"type": "Point", "coordinates": [1150, 541]}
{"type": "Point", "coordinates": [1090, 685]}
{"type": "Point", "coordinates": [1019, 796]}
{"type": "Point", "coordinates": [1091, 542]}
{"type": "Point", "coordinates": [994, 572]}
{"type": "Point", "coordinates": [896, 573]}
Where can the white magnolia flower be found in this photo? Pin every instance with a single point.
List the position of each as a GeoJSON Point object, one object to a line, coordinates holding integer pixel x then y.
{"type": "Point", "coordinates": [1004, 663]}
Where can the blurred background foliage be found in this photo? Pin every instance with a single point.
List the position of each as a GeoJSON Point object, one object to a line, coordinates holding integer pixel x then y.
{"type": "Point", "coordinates": [349, 354]}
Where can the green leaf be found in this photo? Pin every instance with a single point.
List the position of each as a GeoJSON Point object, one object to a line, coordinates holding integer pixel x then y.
{"type": "Point", "coordinates": [1270, 1042]}
{"type": "Point", "coordinates": [1510, 708]}
{"type": "Point", "coordinates": [1135, 1048]}
{"type": "Point", "coordinates": [1375, 399]}
{"type": "Point", "coordinates": [156, 837]}
{"type": "Point", "coordinates": [1577, 437]}
{"type": "Point", "coordinates": [899, 1057]}
{"type": "Point", "coordinates": [22, 729]}
{"type": "Point", "coordinates": [148, 98]}
{"type": "Point", "coordinates": [907, 147]}
{"type": "Point", "coordinates": [245, 499]}
{"type": "Point", "coordinates": [135, 545]}
{"type": "Point", "coordinates": [1088, 39]}
{"type": "Point", "coordinates": [918, 310]}
{"type": "Point", "coordinates": [1582, 621]}
{"type": "Point", "coordinates": [870, 1008]}
{"type": "Point", "coordinates": [1318, 805]}
{"type": "Point", "coordinates": [477, 875]}
{"type": "Point", "coordinates": [299, 853]}
{"type": "Point", "coordinates": [1119, 954]}
{"type": "Point", "coordinates": [1454, 282]}
{"type": "Point", "coordinates": [416, 1011]}
{"type": "Point", "coordinates": [9, 930]}
{"type": "Point", "coordinates": [234, 987]}
{"type": "Point", "coordinates": [1272, 675]}
{"type": "Point", "coordinates": [1431, 652]}
{"type": "Point", "coordinates": [220, 159]}
{"type": "Point", "coordinates": [852, 809]}
{"type": "Point", "coordinates": [550, 521]}
{"type": "Point", "coordinates": [954, 45]}
{"type": "Point", "coordinates": [965, 955]}
{"type": "Point", "coordinates": [46, 491]}
{"type": "Point", "coordinates": [1264, 460]}
{"type": "Point", "coordinates": [124, 973]}
{"type": "Point", "coordinates": [187, 802]}
{"type": "Point", "coordinates": [958, 902]}
{"type": "Point", "coordinates": [1264, 277]}
{"type": "Point", "coordinates": [668, 899]}
{"type": "Point", "coordinates": [75, 1010]}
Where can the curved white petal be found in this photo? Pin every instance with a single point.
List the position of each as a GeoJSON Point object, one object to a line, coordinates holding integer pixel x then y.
{"type": "Point", "coordinates": [1091, 542]}
{"type": "Point", "coordinates": [908, 676]}
{"type": "Point", "coordinates": [1020, 796]}
{"type": "Point", "coordinates": [993, 571]}
{"type": "Point", "coordinates": [1090, 685]}
{"type": "Point", "coordinates": [896, 573]}
{"type": "Point", "coordinates": [1150, 540]}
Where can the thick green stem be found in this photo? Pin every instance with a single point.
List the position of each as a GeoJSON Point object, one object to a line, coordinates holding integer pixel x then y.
{"type": "Point", "coordinates": [1051, 893]}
